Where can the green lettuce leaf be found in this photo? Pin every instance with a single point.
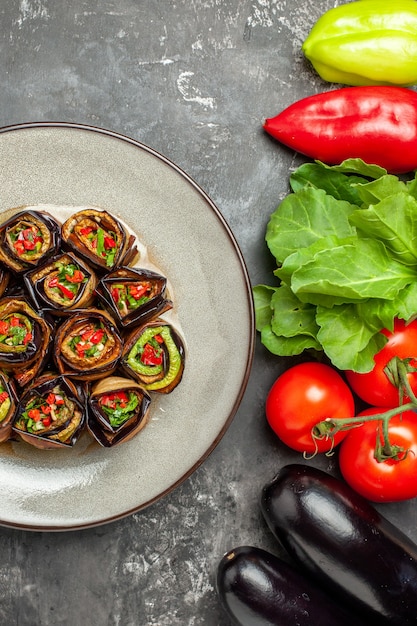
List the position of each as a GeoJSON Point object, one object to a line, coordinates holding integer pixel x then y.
{"type": "Point", "coordinates": [304, 255]}
{"type": "Point", "coordinates": [405, 303]}
{"type": "Point", "coordinates": [348, 341]}
{"type": "Point", "coordinates": [290, 316]}
{"type": "Point", "coordinates": [288, 346]}
{"type": "Point", "coordinates": [262, 295]}
{"type": "Point", "coordinates": [345, 244]}
{"type": "Point", "coordinates": [352, 272]}
{"type": "Point", "coordinates": [303, 218]}
{"type": "Point", "coordinates": [358, 167]}
{"type": "Point", "coordinates": [376, 190]}
{"type": "Point", "coordinates": [394, 221]}
{"type": "Point", "coordinates": [336, 184]}
{"type": "Point", "coordinates": [412, 186]}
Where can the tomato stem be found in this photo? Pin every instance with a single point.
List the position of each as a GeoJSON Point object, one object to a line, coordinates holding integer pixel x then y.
{"type": "Point", "coordinates": [402, 368]}
{"type": "Point", "coordinates": [383, 451]}
{"type": "Point", "coordinates": [330, 426]}
{"type": "Point", "coordinates": [397, 371]}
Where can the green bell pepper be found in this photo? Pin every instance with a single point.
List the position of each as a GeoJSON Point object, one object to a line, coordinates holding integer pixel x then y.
{"type": "Point", "coordinates": [156, 372]}
{"type": "Point", "coordinates": [367, 42]}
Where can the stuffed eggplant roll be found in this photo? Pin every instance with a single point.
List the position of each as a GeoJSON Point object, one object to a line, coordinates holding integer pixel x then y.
{"type": "Point", "coordinates": [134, 295]}
{"type": "Point", "coordinates": [154, 355]}
{"type": "Point", "coordinates": [5, 280]}
{"type": "Point", "coordinates": [24, 339]}
{"type": "Point", "coordinates": [50, 413]}
{"type": "Point", "coordinates": [117, 410]}
{"type": "Point", "coordinates": [28, 239]}
{"type": "Point", "coordinates": [87, 345]}
{"type": "Point", "coordinates": [64, 282]}
{"type": "Point", "coordinates": [99, 238]}
{"type": "Point", "coordinates": [8, 406]}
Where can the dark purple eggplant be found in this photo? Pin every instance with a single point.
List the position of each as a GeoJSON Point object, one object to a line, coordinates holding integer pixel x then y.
{"type": "Point", "coordinates": [87, 345]}
{"type": "Point", "coordinates": [99, 238]}
{"type": "Point", "coordinates": [8, 406]}
{"type": "Point", "coordinates": [51, 413]}
{"type": "Point", "coordinates": [134, 295]}
{"type": "Point", "coordinates": [24, 339]}
{"type": "Point", "coordinates": [118, 409]}
{"type": "Point", "coordinates": [5, 280]}
{"type": "Point", "coordinates": [154, 356]}
{"type": "Point", "coordinates": [63, 283]}
{"type": "Point", "coordinates": [257, 588]}
{"type": "Point", "coordinates": [27, 239]}
{"type": "Point", "coordinates": [344, 544]}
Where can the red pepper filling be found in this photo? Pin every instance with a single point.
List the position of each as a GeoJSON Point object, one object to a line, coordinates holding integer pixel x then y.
{"type": "Point", "coordinates": [14, 332]}
{"type": "Point", "coordinates": [41, 412]}
{"type": "Point", "coordinates": [26, 240]}
{"type": "Point", "coordinates": [152, 354]}
{"type": "Point", "coordinates": [67, 281]}
{"type": "Point", "coordinates": [129, 296]}
{"type": "Point", "coordinates": [101, 241]}
{"type": "Point", "coordinates": [115, 399]}
{"type": "Point", "coordinates": [90, 342]}
{"type": "Point", "coordinates": [118, 406]}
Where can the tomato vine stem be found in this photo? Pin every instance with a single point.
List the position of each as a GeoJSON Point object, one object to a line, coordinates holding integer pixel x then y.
{"type": "Point", "coordinates": [397, 371]}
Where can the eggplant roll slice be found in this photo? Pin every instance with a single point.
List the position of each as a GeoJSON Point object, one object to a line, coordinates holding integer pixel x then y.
{"type": "Point", "coordinates": [99, 238]}
{"type": "Point", "coordinates": [154, 356]}
{"type": "Point", "coordinates": [134, 295]}
{"type": "Point", "coordinates": [50, 413]}
{"type": "Point", "coordinates": [87, 345]}
{"type": "Point", "coordinates": [118, 409]}
{"type": "Point", "coordinates": [8, 406]}
{"type": "Point", "coordinates": [64, 282]}
{"type": "Point", "coordinates": [5, 280]}
{"type": "Point", "coordinates": [28, 239]}
{"type": "Point", "coordinates": [24, 339]}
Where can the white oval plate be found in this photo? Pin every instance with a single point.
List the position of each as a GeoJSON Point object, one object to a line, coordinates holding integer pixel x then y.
{"type": "Point", "coordinates": [190, 242]}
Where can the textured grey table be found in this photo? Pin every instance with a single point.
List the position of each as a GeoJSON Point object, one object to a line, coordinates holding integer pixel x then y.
{"type": "Point", "coordinates": [193, 79]}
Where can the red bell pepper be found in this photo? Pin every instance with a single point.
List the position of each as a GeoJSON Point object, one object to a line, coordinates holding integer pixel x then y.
{"type": "Point", "coordinates": [77, 277]}
{"type": "Point", "coordinates": [67, 293]}
{"type": "Point", "coordinates": [377, 124]}
{"type": "Point", "coordinates": [151, 355]}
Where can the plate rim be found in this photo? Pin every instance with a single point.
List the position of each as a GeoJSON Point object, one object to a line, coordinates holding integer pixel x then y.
{"type": "Point", "coordinates": [251, 315]}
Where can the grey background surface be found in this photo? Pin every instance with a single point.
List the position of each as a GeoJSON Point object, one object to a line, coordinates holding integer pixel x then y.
{"type": "Point", "coordinates": [193, 79]}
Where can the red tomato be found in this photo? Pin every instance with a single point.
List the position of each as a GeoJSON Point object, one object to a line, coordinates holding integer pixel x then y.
{"type": "Point", "coordinates": [303, 396]}
{"type": "Point", "coordinates": [374, 387]}
{"type": "Point", "coordinates": [385, 481]}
